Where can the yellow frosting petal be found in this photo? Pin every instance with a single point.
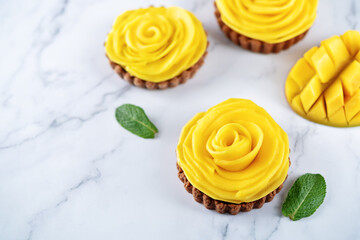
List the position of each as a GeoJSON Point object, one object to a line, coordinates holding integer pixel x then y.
{"type": "Point", "coordinates": [234, 152]}
{"type": "Point", "coordinates": [270, 21]}
{"type": "Point", "coordinates": [324, 85]}
{"type": "Point", "coordinates": [156, 44]}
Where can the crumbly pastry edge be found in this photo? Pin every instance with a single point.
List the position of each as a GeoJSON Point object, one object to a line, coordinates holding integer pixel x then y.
{"type": "Point", "coordinates": [221, 206]}
{"type": "Point", "coordinates": [173, 82]}
{"type": "Point", "coordinates": [255, 45]}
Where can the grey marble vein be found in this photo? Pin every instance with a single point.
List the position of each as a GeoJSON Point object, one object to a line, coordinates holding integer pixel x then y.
{"type": "Point", "coordinates": [300, 140]}
{"type": "Point", "coordinates": [53, 27]}
{"type": "Point", "coordinates": [352, 17]}
{"type": "Point", "coordinates": [41, 215]}
{"type": "Point", "coordinates": [25, 140]}
{"type": "Point", "coordinates": [225, 231]}
{"type": "Point", "coordinates": [56, 123]}
{"type": "Point", "coordinates": [299, 146]}
{"type": "Point", "coordinates": [98, 84]}
{"type": "Point", "coordinates": [275, 229]}
{"type": "Point", "coordinates": [252, 233]}
{"type": "Point", "coordinates": [114, 95]}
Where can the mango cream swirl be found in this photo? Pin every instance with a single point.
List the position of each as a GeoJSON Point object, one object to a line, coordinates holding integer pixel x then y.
{"type": "Point", "coordinates": [235, 152]}
{"type": "Point", "coordinates": [156, 44]}
{"type": "Point", "coordinates": [270, 21]}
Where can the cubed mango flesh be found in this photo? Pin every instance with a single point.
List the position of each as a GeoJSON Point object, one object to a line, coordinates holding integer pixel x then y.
{"type": "Point", "coordinates": [324, 85]}
{"type": "Point", "coordinates": [323, 64]}
{"type": "Point", "coordinates": [351, 40]}
{"type": "Point", "coordinates": [334, 97]}
{"type": "Point", "coordinates": [351, 78]}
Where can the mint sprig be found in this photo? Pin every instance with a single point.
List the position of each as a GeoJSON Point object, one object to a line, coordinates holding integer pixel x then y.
{"type": "Point", "coordinates": [305, 196]}
{"type": "Point", "coordinates": [134, 119]}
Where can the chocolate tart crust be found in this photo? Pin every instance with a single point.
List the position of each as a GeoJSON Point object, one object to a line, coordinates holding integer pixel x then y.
{"type": "Point", "coordinates": [221, 206]}
{"type": "Point", "coordinates": [255, 45]}
{"type": "Point", "coordinates": [175, 81]}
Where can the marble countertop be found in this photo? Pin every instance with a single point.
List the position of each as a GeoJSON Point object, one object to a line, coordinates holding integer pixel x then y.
{"type": "Point", "coordinates": [69, 171]}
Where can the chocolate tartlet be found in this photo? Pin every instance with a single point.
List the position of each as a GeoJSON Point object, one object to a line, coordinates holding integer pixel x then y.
{"type": "Point", "coordinates": [156, 47]}
{"type": "Point", "coordinates": [255, 45]}
{"type": "Point", "coordinates": [234, 157]}
{"type": "Point", "coordinates": [221, 206]}
{"type": "Point", "coordinates": [180, 79]}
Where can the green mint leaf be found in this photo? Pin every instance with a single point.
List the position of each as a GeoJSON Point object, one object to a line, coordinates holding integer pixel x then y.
{"type": "Point", "coordinates": [134, 119]}
{"type": "Point", "coordinates": [305, 196]}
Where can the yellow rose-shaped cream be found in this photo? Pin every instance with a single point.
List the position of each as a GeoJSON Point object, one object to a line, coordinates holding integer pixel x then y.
{"type": "Point", "coordinates": [235, 152]}
{"type": "Point", "coordinates": [156, 43]}
{"type": "Point", "coordinates": [270, 21]}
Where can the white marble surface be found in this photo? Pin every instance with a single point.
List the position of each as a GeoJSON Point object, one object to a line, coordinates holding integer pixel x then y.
{"type": "Point", "coordinates": [69, 171]}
